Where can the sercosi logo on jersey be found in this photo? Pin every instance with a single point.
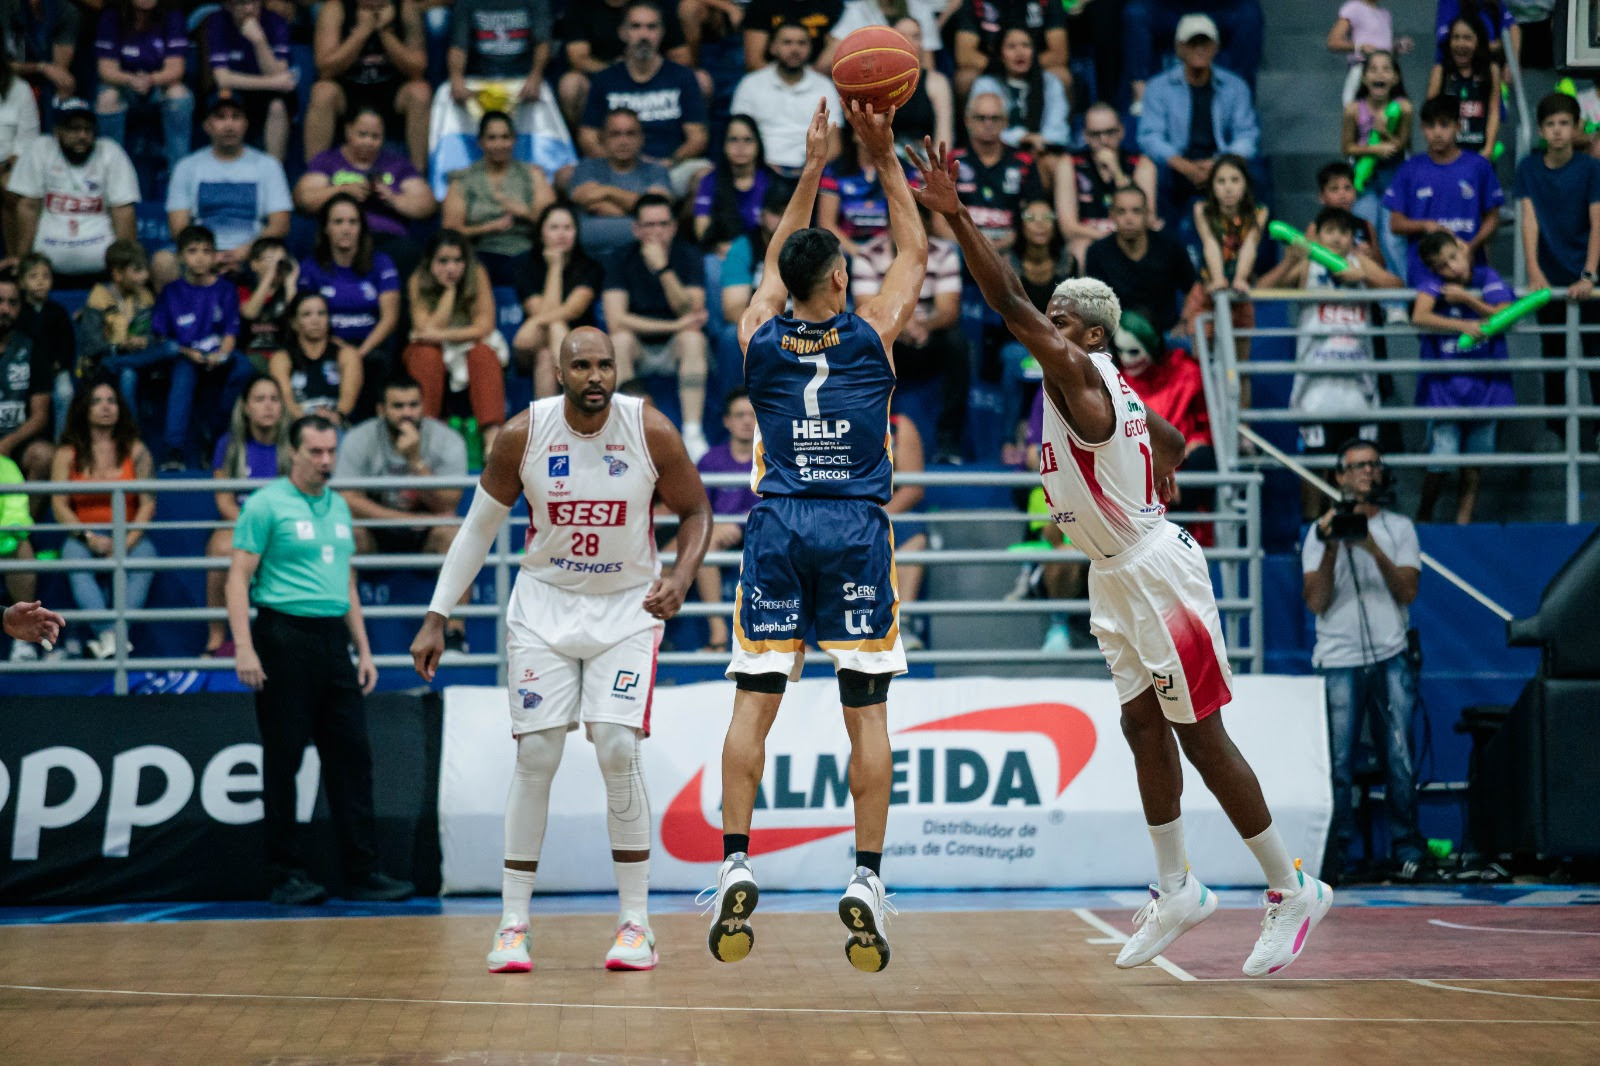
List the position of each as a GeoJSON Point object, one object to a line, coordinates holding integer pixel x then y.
{"type": "Point", "coordinates": [588, 512]}
{"type": "Point", "coordinates": [933, 773]}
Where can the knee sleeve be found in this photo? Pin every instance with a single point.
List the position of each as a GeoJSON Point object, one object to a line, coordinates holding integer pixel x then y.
{"type": "Point", "coordinates": [627, 807]}
{"type": "Point", "coordinates": [857, 689]}
{"type": "Point", "coordinates": [771, 684]}
{"type": "Point", "coordinates": [528, 805]}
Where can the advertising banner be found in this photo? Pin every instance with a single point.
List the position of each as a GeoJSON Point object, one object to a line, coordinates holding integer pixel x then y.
{"type": "Point", "coordinates": [997, 784]}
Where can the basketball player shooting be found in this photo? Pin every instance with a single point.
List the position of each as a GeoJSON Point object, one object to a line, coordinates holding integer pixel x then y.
{"type": "Point", "coordinates": [585, 619]}
{"type": "Point", "coordinates": [818, 548]}
{"type": "Point", "coordinates": [1108, 467]}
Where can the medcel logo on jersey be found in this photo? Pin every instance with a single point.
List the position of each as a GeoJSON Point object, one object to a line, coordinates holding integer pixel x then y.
{"type": "Point", "coordinates": [807, 459]}
{"type": "Point", "coordinates": [559, 466]}
{"type": "Point", "coordinates": [588, 512]}
{"type": "Point", "coordinates": [821, 428]}
{"type": "Point", "coordinates": [980, 759]}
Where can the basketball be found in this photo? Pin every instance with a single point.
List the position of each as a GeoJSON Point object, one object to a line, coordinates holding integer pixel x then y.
{"type": "Point", "coordinates": [876, 66]}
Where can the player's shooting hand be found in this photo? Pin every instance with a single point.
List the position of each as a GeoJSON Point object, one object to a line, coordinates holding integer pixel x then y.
{"type": "Point", "coordinates": [874, 129]}
{"type": "Point", "coordinates": [428, 647]}
{"type": "Point", "coordinates": [937, 191]}
{"type": "Point", "coordinates": [817, 135]}
{"type": "Point", "coordinates": [663, 599]}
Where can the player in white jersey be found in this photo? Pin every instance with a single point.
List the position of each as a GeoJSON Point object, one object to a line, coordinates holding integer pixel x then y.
{"type": "Point", "coordinates": [585, 619]}
{"type": "Point", "coordinates": [1108, 466]}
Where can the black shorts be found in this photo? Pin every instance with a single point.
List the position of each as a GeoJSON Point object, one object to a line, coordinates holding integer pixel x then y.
{"type": "Point", "coordinates": [400, 540]}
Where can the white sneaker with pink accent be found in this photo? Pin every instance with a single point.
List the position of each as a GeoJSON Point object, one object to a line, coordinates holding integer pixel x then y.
{"type": "Point", "coordinates": [634, 947]}
{"type": "Point", "coordinates": [510, 951]}
{"type": "Point", "coordinates": [1287, 925]}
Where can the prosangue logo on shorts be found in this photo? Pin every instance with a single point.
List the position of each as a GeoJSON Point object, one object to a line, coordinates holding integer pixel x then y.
{"type": "Point", "coordinates": [761, 603]}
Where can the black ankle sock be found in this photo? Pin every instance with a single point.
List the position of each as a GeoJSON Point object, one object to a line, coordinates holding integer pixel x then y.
{"type": "Point", "coordinates": [871, 860]}
{"type": "Point", "coordinates": [735, 842]}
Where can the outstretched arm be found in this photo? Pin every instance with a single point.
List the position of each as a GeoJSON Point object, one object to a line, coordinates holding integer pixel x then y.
{"type": "Point", "coordinates": [770, 295]}
{"type": "Point", "coordinates": [890, 310]}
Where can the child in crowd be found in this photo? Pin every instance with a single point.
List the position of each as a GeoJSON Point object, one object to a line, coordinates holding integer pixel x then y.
{"type": "Point", "coordinates": [1367, 114]}
{"type": "Point", "coordinates": [1230, 224]}
{"type": "Point", "coordinates": [1445, 190]}
{"type": "Point", "coordinates": [1335, 188]}
{"type": "Point", "coordinates": [1363, 28]}
{"type": "Point", "coordinates": [264, 298]}
{"type": "Point", "coordinates": [1446, 307]}
{"type": "Point", "coordinates": [114, 325]}
{"type": "Point", "coordinates": [199, 313]}
{"type": "Point", "coordinates": [49, 326]}
{"type": "Point", "coordinates": [1468, 74]}
{"type": "Point", "coordinates": [1330, 333]}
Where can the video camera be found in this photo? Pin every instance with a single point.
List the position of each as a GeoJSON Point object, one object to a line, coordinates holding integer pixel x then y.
{"type": "Point", "coordinates": [1347, 523]}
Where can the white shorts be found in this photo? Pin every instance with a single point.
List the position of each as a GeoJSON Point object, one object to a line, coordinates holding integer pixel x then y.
{"type": "Point", "coordinates": [574, 657]}
{"type": "Point", "coordinates": [1153, 612]}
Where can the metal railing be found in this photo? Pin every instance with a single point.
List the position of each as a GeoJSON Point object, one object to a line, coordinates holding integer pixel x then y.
{"type": "Point", "coordinates": [1224, 372]}
{"type": "Point", "coordinates": [1238, 554]}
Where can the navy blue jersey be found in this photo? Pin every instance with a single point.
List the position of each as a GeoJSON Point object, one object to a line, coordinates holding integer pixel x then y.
{"type": "Point", "coordinates": [821, 392]}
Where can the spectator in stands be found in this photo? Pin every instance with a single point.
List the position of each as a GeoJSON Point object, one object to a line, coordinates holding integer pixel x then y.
{"type": "Point", "coordinates": [1336, 188]}
{"type": "Point", "coordinates": [982, 27]}
{"type": "Point", "coordinates": [371, 53]}
{"type": "Point", "coordinates": [19, 127]}
{"type": "Point", "coordinates": [1147, 269]}
{"type": "Point", "coordinates": [24, 388]}
{"type": "Point", "coordinates": [199, 313]}
{"type": "Point", "coordinates": [1086, 181]}
{"type": "Point", "coordinates": [43, 37]}
{"type": "Point", "coordinates": [497, 201]}
{"type": "Point", "coordinates": [910, 535]}
{"type": "Point", "coordinates": [455, 343]}
{"type": "Point", "coordinates": [317, 373]}
{"type": "Point", "coordinates": [606, 189]}
{"type": "Point", "coordinates": [50, 327]}
{"type": "Point", "coordinates": [1445, 191]}
{"type": "Point", "coordinates": [850, 200]}
{"type": "Point", "coordinates": [249, 49]}
{"type": "Point", "coordinates": [233, 190]}
{"type": "Point", "coordinates": [1193, 114]}
{"type": "Point", "coordinates": [763, 17]}
{"type": "Point", "coordinates": [141, 49]}
{"type": "Point", "coordinates": [728, 202]}
{"type": "Point", "coordinates": [391, 193]}
{"type": "Point", "coordinates": [1362, 29]}
{"type": "Point", "coordinates": [557, 293]}
{"type": "Point", "coordinates": [402, 442]}
{"type": "Point", "coordinates": [1560, 194]}
{"type": "Point", "coordinates": [268, 286]}
{"type": "Point", "coordinates": [931, 110]}
{"type": "Point", "coordinates": [1148, 24]}
{"type": "Point", "coordinates": [858, 14]}
{"type": "Point", "coordinates": [1469, 76]}
{"type": "Point", "coordinates": [1036, 104]}
{"type": "Point", "coordinates": [732, 456]}
{"type": "Point", "coordinates": [114, 327]}
{"type": "Point", "coordinates": [1381, 85]}
{"type": "Point", "coordinates": [361, 285]}
{"type": "Point", "coordinates": [594, 37]}
{"type": "Point", "coordinates": [1360, 592]}
{"type": "Point", "coordinates": [655, 307]}
{"type": "Point", "coordinates": [1494, 19]}
{"type": "Point", "coordinates": [665, 96]}
{"type": "Point", "coordinates": [499, 40]}
{"type": "Point", "coordinates": [256, 446]}
{"type": "Point", "coordinates": [101, 443]}
{"type": "Point", "coordinates": [16, 521]}
{"type": "Point", "coordinates": [992, 179]}
{"type": "Point", "coordinates": [782, 96]}
{"type": "Point", "coordinates": [931, 346]}
{"type": "Point", "coordinates": [1446, 308]}
{"type": "Point", "coordinates": [1231, 225]}
{"type": "Point", "coordinates": [57, 212]}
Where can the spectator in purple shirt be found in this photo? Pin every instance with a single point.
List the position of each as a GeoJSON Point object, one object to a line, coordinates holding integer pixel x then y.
{"type": "Point", "coordinates": [732, 456]}
{"type": "Point", "coordinates": [198, 312]}
{"type": "Point", "coordinates": [391, 193]}
{"type": "Point", "coordinates": [249, 49]}
{"type": "Point", "coordinates": [1445, 191]}
{"type": "Point", "coordinates": [141, 49]}
{"type": "Point", "coordinates": [361, 285]}
{"type": "Point", "coordinates": [1446, 307]}
{"type": "Point", "coordinates": [728, 201]}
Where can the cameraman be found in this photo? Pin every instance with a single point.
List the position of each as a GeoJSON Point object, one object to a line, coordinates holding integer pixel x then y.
{"type": "Point", "coordinates": [1361, 564]}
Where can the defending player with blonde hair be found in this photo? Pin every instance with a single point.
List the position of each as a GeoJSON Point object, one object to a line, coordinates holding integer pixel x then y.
{"type": "Point", "coordinates": [1094, 302]}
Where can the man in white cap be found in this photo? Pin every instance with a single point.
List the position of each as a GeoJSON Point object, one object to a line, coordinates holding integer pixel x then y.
{"type": "Point", "coordinates": [1193, 113]}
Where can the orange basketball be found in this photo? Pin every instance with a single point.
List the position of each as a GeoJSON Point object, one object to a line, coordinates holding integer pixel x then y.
{"type": "Point", "coordinates": [876, 66]}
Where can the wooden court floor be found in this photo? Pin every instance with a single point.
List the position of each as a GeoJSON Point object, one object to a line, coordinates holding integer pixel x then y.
{"type": "Point", "coordinates": [971, 987]}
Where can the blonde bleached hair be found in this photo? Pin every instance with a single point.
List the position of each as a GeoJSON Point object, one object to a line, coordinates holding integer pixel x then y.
{"type": "Point", "coordinates": [1093, 301]}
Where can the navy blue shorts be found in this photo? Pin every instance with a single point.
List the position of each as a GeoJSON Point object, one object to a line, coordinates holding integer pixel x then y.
{"type": "Point", "coordinates": [822, 563]}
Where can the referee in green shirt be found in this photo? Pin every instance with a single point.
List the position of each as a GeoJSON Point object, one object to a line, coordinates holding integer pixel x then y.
{"type": "Point", "coordinates": [291, 557]}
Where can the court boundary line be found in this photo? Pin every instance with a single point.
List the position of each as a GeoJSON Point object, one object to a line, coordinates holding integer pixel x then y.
{"type": "Point", "coordinates": [1500, 929]}
{"type": "Point", "coordinates": [1094, 921]}
{"type": "Point", "coordinates": [856, 1011]}
{"type": "Point", "coordinates": [1496, 992]}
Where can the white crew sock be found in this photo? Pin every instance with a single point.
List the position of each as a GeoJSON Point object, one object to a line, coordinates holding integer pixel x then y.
{"type": "Point", "coordinates": [1172, 864]}
{"type": "Point", "coordinates": [1269, 851]}
{"type": "Point", "coordinates": [516, 893]}
{"type": "Point", "coordinates": [633, 891]}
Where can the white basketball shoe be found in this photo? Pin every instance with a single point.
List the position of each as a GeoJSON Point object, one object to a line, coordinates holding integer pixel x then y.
{"type": "Point", "coordinates": [1165, 918]}
{"type": "Point", "coordinates": [634, 947]}
{"type": "Point", "coordinates": [862, 909]}
{"type": "Point", "coordinates": [510, 951]}
{"type": "Point", "coordinates": [1287, 925]}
